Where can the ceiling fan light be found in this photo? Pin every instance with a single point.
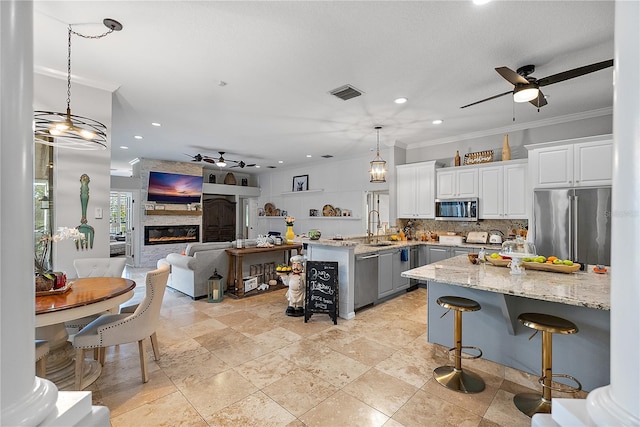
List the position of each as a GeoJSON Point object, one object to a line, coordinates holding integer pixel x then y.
{"type": "Point", "coordinates": [525, 93]}
{"type": "Point", "coordinates": [221, 163]}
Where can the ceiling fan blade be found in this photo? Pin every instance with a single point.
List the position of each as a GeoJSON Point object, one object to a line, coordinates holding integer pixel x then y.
{"type": "Point", "coordinates": [209, 160]}
{"type": "Point", "coordinates": [511, 76]}
{"type": "Point", "coordinates": [576, 72]}
{"type": "Point", "coordinates": [540, 101]}
{"type": "Point", "coordinates": [487, 99]}
{"type": "Point", "coordinates": [196, 158]}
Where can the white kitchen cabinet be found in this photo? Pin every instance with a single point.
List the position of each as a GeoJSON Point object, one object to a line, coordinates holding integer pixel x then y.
{"type": "Point", "coordinates": [456, 183]}
{"type": "Point", "coordinates": [503, 191]}
{"type": "Point", "coordinates": [584, 162]}
{"type": "Point", "coordinates": [593, 163]}
{"type": "Point", "coordinates": [415, 190]}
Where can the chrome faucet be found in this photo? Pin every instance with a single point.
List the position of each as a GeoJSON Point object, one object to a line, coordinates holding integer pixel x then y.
{"type": "Point", "coordinates": [369, 233]}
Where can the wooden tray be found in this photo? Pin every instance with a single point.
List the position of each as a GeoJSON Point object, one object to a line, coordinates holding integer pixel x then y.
{"type": "Point", "coordinates": [498, 262]}
{"type": "Point", "coordinates": [556, 268]}
{"type": "Point", "coordinates": [540, 266]}
{"type": "Point", "coordinates": [64, 289]}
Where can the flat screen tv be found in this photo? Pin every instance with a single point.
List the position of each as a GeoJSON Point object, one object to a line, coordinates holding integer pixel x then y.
{"type": "Point", "coordinates": [174, 188]}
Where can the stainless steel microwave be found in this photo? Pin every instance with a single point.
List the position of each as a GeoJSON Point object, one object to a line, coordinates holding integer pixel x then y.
{"type": "Point", "coordinates": [457, 209]}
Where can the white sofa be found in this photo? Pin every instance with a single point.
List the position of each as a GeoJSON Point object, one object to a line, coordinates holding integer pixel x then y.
{"type": "Point", "coordinates": [189, 272]}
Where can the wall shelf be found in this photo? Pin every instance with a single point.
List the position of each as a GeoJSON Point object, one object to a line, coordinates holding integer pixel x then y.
{"type": "Point", "coordinates": [334, 217]}
{"type": "Point", "coordinates": [170, 212]}
{"type": "Point", "coordinates": [318, 190]}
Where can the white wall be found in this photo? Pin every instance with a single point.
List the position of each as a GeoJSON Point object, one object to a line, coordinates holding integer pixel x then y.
{"type": "Point", "coordinates": [343, 183]}
{"type": "Point", "coordinates": [445, 153]}
{"type": "Point", "coordinates": [69, 165]}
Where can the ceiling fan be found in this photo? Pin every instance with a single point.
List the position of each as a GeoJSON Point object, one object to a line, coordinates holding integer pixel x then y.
{"type": "Point", "coordinates": [241, 164]}
{"type": "Point", "coordinates": [220, 161]}
{"type": "Point", "coordinates": [526, 88]}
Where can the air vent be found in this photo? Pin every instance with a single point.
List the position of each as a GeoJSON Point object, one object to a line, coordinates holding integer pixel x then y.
{"type": "Point", "coordinates": [327, 156]}
{"type": "Point", "coordinates": [346, 92]}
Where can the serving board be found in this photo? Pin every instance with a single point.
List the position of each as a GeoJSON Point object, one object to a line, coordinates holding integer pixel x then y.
{"type": "Point", "coordinates": [541, 266]}
{"type": "Point", "coordinates": [59, 291]}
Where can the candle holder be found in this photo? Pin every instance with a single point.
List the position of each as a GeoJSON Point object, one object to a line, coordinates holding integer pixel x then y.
{"type": "Point", "coordinates": [215, 288]}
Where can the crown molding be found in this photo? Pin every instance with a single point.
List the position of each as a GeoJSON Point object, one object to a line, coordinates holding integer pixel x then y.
{"type": "Point", "coordinates": [516, 127]}
{"type": "Point", "coordinates": [97, 84]}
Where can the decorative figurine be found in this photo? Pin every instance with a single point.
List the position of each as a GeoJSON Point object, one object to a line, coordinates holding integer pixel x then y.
{"type": "Point", "coordinates": [296, 283]}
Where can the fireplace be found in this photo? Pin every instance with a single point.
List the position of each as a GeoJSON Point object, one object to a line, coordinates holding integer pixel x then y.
{"type": "Point", "coordinates": [167, 234]}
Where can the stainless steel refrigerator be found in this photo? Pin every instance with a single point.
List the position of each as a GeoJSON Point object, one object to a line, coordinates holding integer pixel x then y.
{"type": "Point", "coordinates": [574, 224]}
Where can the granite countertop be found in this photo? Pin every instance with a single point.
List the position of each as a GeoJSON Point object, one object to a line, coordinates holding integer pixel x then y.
{"type": "Point", "coordinates": [582, 288]}
{"type": "Point", "coordinates": [364, 248]}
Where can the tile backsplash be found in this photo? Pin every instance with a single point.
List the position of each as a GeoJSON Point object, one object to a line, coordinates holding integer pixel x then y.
{"type": "Point", "coordinates": [414, 228]}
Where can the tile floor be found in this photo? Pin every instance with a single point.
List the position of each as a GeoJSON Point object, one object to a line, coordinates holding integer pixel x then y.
{"type": "Point", "coordinates": [243, 362]}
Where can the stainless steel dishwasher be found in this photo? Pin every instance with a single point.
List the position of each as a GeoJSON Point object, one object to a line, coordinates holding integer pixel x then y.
{"type": "Point", "coordinates": [366, 280]}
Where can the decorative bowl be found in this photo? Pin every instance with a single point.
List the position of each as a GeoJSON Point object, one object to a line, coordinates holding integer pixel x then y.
{"type": "Point", "coordinates": [314, 234]}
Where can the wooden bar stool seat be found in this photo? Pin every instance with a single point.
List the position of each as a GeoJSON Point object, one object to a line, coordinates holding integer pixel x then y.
{"type": "Point", "coordinates": [454, 377]}
{"type": "Point", "coordinates": [532, 403]}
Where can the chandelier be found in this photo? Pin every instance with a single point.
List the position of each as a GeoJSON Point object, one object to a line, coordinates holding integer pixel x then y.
{"type": "Point", "coordinates": [378, 169]}
{"type": "Point", "coordinates": [67, 130]}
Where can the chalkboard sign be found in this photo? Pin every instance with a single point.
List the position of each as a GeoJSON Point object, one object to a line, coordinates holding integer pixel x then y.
{"type": "Point", "coordinates": [322, 289]}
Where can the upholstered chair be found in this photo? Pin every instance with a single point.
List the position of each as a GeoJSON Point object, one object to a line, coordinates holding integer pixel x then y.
{"type": "Point", "coordinates": [114, 329]}
{"type": "Point", "coordinates": [95, 267]}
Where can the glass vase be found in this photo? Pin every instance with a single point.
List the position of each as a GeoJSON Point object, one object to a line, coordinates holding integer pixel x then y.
{"type": "Point", "coordinates": [289, 235]}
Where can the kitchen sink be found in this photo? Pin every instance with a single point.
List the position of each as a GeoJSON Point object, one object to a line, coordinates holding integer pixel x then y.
{"type": "Point", "coordinates": [380, 244]}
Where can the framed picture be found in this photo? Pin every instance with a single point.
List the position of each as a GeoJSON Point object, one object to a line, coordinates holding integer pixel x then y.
{"type": "Point", "coordinates": [301, 183]}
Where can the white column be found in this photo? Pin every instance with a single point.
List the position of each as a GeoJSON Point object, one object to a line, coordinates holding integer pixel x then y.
{"type": "Point", "coordinates": [24, 398]}
{"type": "Point", "coordinates": [618, 404]}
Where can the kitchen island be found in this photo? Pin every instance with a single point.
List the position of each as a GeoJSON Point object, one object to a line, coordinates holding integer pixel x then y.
{"type": "Point", "coordinates": [581, 297]}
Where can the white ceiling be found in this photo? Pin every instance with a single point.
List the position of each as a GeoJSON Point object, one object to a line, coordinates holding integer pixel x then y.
{"type": "Point", "coordinates": [280, 60]}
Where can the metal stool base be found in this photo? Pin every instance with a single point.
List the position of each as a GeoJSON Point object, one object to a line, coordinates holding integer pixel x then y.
{"type": "Point", "coordinates": [531, 404]}
{"type": "Point", "coordinates": [458, 379]}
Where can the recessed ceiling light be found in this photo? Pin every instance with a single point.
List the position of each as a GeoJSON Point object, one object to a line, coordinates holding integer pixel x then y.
{"type": "Point", "coordinates": [156, 124]}
{"type": "Point", "coordinates": [309, 155]}
{"type": "Point", "coordinates": [124, 147]}
{"type": "Point", "coordinates": [137, 136]}
{"type": "Point", "coordinates": [481, 2]}
{"type": "Point", "coordinates": [280, 161]}
{"type": "Point", "coordinates": [437, 122]}
{"type": "Point", "coordinates": [258, 166]}
{"type": "Point", "coordinates": [400, 100]}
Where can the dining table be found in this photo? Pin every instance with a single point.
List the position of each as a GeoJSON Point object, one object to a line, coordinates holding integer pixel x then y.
{"type": "Point", "coordinates": [82, 297]}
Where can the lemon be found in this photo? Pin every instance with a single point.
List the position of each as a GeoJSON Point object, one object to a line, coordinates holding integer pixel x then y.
{"type": "Point", "coordinates": [495, 255]}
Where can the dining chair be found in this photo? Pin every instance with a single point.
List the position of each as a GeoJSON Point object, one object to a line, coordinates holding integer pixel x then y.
{"type": "Point", "coordinates": [95, 267]}
{"type": "Point", "coordinates": [115, 329]}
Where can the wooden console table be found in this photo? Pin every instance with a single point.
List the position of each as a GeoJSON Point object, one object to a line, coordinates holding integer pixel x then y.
{"type": "Point", "coordinates": [235, 286]}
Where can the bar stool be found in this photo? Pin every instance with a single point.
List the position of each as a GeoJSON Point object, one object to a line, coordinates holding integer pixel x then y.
{"type": "Point", "coordinates": [453, 377]}
{"type": "Point", "coordinates": [533, 403]}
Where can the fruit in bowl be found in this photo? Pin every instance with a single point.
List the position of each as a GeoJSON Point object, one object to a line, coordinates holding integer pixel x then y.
{"type": "Point", "coordinates": [314, 234]}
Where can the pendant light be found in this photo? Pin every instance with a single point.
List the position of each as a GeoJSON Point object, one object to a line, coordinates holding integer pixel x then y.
{"type": "Point", "coordinates": [67, 130]}
{"type": "Point", "coordinates": [378, 169]}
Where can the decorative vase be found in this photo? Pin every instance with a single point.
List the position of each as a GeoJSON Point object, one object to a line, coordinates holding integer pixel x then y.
{"type": "Point", "coordinates": [506, 150]}
{"type": "Point", "coordinates": [289, 235]}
